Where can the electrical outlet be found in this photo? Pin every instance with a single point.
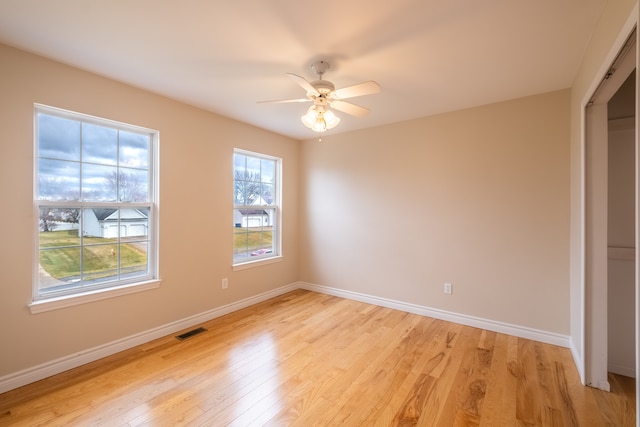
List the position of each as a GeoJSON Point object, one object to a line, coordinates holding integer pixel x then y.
{"type": "Point", "coordinates": [225, 283]}
{"type": "Point", "coordinates": [448, 288]}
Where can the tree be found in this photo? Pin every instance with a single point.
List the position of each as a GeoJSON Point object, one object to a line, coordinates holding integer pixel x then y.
{"type": "Point", "coordinates": [47, 219]}
{"type": "Point", "coordinates": [129, 187]}
{"type": "Point", "coordinates": [71, 215]}
{"type": "Point", "coordinates": [50, 217]}
{"type": "Point", "coordinates": [246, 187]}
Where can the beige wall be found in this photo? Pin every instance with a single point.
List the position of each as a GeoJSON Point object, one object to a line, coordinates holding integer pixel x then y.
{"type": "Point", "coordinates": [478, 198]}
{"type": "Point", "coordinates": [196, 150]}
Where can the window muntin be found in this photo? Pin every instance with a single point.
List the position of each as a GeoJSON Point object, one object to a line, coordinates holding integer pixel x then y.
{"type": "Point", "coordinates": [94, 195]}
{"type": "Point", "coordinates": [256, 213]}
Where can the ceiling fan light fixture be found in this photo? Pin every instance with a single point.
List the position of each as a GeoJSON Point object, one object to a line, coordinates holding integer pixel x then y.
{"type": "Point", "coordinates": [324, 94]}
{"type": "Point", "coordinates": [319, 119]}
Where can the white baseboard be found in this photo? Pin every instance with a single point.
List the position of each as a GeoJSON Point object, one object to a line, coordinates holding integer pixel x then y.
{"type": "Point", "coordinates": [27, 376]}
{"type": "Point", "coordinates": [577, 359]}
{"type": "Point", "coordinates": [490, 325]}
{"type": "Point", "coordinates": [36, 373]}
{"type": "Point", "coordinates": [621, 369]}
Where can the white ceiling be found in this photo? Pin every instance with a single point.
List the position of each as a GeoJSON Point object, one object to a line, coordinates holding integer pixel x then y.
{"type": "Point", "coordinates": [225, 55]}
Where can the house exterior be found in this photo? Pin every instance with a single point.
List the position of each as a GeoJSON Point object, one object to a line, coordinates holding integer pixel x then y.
{"type": "Point", "coordinates": [105, 223]}
{"type": "Point", "coordinates": [245, 218]}
{"type": "Point", "coordinates": [258, 217]}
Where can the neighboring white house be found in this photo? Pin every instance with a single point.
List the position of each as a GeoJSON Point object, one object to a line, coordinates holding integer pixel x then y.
{"type": "Point", "coordinates": [105, 222]}
{"type": "Point", "coordinates": [253, 217]}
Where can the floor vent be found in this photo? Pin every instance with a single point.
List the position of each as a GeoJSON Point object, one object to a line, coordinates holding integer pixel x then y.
{"type": "Point", "coordinates": [191, 333]}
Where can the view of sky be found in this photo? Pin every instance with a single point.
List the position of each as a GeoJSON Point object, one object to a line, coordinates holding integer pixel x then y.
{"type": "Point", "coordinates": [253, 176]}
{"type": "Point", "coordinates": [76, 157]}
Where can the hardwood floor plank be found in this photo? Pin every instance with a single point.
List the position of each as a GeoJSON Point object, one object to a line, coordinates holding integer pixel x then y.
{"type": "Point", "coordinates": [450, 398]}
{"type": "Point", "coordinates": [384, 375]}
{"type": "Point", "coordinates": [529, 409]}
{"type": "Point", "coordinates": [363, 362]}
{"type": "Point", "coordinates": [427, 358]}
{"type": "Point", "coordinates": [409, 396]}
{"type": "Point", "coordinates": [581, 398]}
{"type": "Point", "coordinates": [307, 359]}
{"type": "Point", "coordinates": [499, 406]}
{"type": "Point", "coordinates": [618, 406]}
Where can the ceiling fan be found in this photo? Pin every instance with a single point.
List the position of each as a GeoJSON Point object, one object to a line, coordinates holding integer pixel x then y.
{"type": "Point", "coordinates": [323, 94]}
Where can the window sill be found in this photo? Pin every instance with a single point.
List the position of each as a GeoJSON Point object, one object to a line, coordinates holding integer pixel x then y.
{"type": "Point", "coordinates": [257, 263]}
{"type": "Point", "coordinates": [41, 306]}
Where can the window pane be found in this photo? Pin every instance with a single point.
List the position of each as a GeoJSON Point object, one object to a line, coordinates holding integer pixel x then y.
{"type": "Point", "coordinates": [239, 163]}
{"type": "Point", "coordinates": [58, 180]}
{"type": "Point", "coordinates": [134, 224]}
{"type": "Point", "coordinates": [100, 263]}
{"type": "Point", "coordinates": [98, 183]}
{"type": "Point", "coordinates": [58, 138]}
{"type": "Point", "coordinates": [99, 144]}
{"type": "Point", "coordinates": [266, 191]}
{"type": "Point", "coordinates": [134, 150]}
{"type": "Point", "coordinates": [133, 185]}
{"type": "Point", "coordinates": [59, 219]}
{"type": "Point", "coordinates": [240, 245]}
{"type": "Point", "coordinates": [138, 228]}
{"type": "Point", "coordinates": [100, 223]}
{"type": "Point", "coordinates": [59, 266]}
{"type": "Point", "coordinates": [116, 224]}
{"type": "Point", "coordinates": [246, 188]}
{"type": "Point", "coordinates": [133, 259]}
{"type": "Point", "coordinates": [253, 169]}
{"type": "Point", "coordinates": [262, 243]}
{"type": "Point", "coordinates": [268, 169]}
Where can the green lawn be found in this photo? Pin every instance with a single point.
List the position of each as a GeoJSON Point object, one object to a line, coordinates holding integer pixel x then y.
{"type": "Point", "coordinates": [251, 239]}
{"type": "Point", "coordinates": [61, 255]}
{"type": "Point", "coordinates": [61, 259]}
{"type": "Point", "coordinates": [68, 238]}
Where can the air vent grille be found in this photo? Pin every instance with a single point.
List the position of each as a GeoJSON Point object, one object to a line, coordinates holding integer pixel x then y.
{"type": "Point", "coordinates": [191, 333]}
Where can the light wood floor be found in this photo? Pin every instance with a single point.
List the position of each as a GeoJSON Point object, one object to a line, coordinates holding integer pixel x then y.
{"type": "Point", "coordinates": [306, 359]}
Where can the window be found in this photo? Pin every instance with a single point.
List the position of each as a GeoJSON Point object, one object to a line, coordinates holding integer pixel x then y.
{"type": "Point", "coordinates": [256, 210]}
{"type": "Point", "coordinates": [95, 197]}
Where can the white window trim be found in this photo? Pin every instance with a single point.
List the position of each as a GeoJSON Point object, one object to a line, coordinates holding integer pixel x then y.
{"type": "Point", "coordinates": [44, 305]}
{"type": "Point", "coordinates": [277, 245]}
{"type": "Point", "coordinates": [257, 263]}
{"type": "Point", "coordinates": [152, 281]}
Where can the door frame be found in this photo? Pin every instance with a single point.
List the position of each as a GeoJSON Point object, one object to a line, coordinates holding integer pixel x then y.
{"type": "Point", "coordinates": [617, 67]}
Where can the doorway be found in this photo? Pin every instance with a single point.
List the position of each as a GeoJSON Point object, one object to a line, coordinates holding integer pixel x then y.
{"type": "Point", "coordinates": [610, 223]}
{"type": "Point", "coordinates": [621, 230]}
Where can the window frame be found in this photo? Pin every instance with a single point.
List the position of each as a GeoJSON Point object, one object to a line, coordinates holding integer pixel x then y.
{"type": "Point", "coordinates": [108, 289]}
{"type": "Point", "coordinates": [276, 205]}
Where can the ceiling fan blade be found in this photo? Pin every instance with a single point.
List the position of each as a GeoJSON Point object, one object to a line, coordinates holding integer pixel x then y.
{"type": "Point", "coordinates": [349, 108]}
{"type": "Point", "coordinates": [283, 101]}
{"type": "Point", "coordinates": [304, 84]}
{"type": "Point", "coordinates": [366, 88]}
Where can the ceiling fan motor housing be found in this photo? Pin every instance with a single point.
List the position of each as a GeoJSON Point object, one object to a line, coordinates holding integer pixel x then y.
{"type": "Point", "coordinates": [323, 86]}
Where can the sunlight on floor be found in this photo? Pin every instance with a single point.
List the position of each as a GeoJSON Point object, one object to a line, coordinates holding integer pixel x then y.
{"type": "Point", "coordinates": [255, 363]}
